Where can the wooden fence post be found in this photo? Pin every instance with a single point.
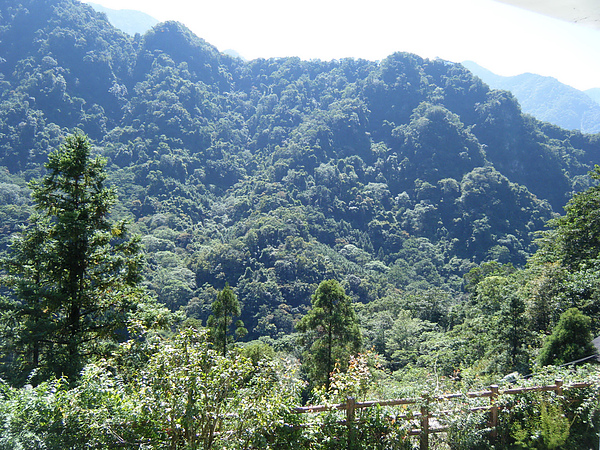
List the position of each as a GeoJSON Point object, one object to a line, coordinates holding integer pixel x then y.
{"type": "Point", "coordinates": [424, 436]}
{"type": "Point", "coordinates": [425, 409]}
{"type": "Point", "coordinates": [494, 410]}
{"type": "Point", "coordinates": [558, 382]}
{"type": "Point", "coordinates": [350, 408]}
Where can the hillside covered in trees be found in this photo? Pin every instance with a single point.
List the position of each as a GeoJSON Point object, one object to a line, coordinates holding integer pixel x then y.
{"type": "Point", "coordinates": [274, 174]}
{"type": "Point", "coordinates": [403, 205]}
{"type": "Point", "coordinates": [547, 99]}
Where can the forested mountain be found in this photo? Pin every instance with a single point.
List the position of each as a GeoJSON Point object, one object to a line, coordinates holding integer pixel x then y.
{"type": "Point", "coordinates": [272, 175]}
{"type": "Point", "coordinates": [127, 20]}
{"type": "Point", "coordinates": [594, 94]}
{"type": "Point", "coordinates": [547, 99]}
{"type": "Point", "coordinates": [192, 245]}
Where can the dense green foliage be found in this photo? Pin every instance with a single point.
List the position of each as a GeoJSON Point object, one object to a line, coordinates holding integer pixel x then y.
{"type": "Point", "coordinates": [577, 240]}
{"type": "Point", "coordinates": [225, 307]}
{"type": "Point", "coordinates": [73, 273]}
{"type": "Point", "coordinates": [532, 420]}
{"type": "Point", "coordinates": [276, 174]}
{"type": "Point", "coordinates": [331, 332]}
{"type": "Point", "coordinates": [570, 340]}
{"type": "Point", "coordinates": [412, 187]}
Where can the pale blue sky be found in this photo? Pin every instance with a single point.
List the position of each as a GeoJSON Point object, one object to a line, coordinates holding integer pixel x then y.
{"type": "Point", "coordinates": [502, 38]}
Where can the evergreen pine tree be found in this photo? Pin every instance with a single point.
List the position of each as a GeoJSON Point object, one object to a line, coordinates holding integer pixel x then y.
{"type": "Point", "coordinates": [225, 307]}
{"type": "Point", "coordinates": [331, 330]}
{"type": "Point", "coordinates": [72, 272]}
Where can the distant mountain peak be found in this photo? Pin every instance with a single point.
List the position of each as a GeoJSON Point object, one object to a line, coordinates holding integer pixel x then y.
{"type": "Point", "coordinates": [594, 94]}
{"type": "Point", "coordinates": [234, 54]}
{"type": "Point", "coordinates": [547, 99]}
{"type": "Point", "coordinates": [127, 20]}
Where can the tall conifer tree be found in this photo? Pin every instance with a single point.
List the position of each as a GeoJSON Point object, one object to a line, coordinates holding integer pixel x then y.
{"type": "Point", "coordinates": [225, 307]}
{"type": "Point", "coordinates": [73, 273]}
{"type": "Point", "coordinates": [331, 330]}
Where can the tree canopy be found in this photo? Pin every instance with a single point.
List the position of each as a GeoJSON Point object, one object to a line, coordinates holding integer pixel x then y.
{"type": "Point", "coordinates": [342, 205]}
{"type": "Point", "coordinates": [331, 332]}
{"type": "Point", "coordinates": [72, 271]}
{"type": "Point", "coordinates": [570, 340]}
{"type": "Point", "coordinates": [395, 178]}
{"type": "Point", "coordinates": [225, 308]}
{"type": "Point", "coordinates": [577, 238]}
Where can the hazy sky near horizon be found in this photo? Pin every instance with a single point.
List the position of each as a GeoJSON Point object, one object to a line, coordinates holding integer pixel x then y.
{"type": "Point", "coordinates": [502, 38]}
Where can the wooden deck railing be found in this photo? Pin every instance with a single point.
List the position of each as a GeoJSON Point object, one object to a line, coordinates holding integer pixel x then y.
{"type": "Point", "coordinates": [426, 401]}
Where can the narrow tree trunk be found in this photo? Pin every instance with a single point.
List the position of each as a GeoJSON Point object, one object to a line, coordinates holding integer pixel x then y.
{"type": "Point", "coordinates": [329, 361]}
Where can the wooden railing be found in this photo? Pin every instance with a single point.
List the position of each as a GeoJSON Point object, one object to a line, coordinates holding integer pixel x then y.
{"type": "Point", "coordinates": [425, 413]}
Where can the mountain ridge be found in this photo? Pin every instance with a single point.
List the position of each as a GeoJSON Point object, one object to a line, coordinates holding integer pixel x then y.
{"type": "Point", "coordinates": [546, 98]}
{"type": "Point", "coordinates": [594, 94]}
{"type": "Point", "coordinates": [274, 174]}
{"type": "Point", "coordinates": [128, 20]}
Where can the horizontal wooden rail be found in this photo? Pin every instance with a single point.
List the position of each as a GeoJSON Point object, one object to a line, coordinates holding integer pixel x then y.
{"type": "Point", "coordinates": [424, 413]}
